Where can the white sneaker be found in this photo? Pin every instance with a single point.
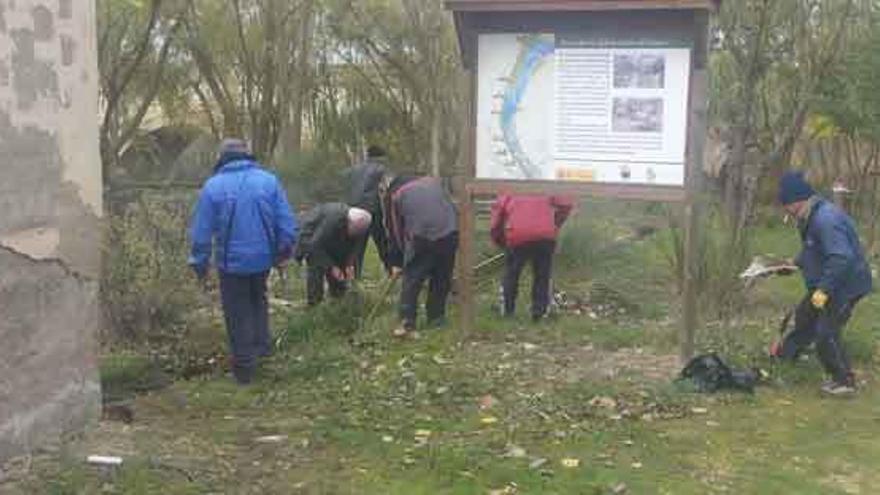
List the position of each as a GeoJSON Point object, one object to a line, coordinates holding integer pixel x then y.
{"type": "Point", "coordinates": [838, 389]}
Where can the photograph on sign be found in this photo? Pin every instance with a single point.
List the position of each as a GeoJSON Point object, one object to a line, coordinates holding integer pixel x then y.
{"type": "Point", "coordinates": [637, 115]}
{"type": "Point", "coordinates": [639, 71]}
{"type": "Point", "coordinates": [572, 108]}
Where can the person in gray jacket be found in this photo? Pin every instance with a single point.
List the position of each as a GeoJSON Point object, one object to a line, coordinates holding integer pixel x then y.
{"type": "Point", "coordinates": [423, 229]}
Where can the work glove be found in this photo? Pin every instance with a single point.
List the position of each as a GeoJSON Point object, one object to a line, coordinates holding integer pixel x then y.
{"type": "Point", "coordinates": [819, 299]}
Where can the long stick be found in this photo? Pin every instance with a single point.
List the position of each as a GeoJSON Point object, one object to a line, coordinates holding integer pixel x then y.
{"type": "Point", "coordinates": [389, 284]}
{"type": "Point", "coordinates": [286, 295]}
{"type": "Point", "coordinates": [488, 262]}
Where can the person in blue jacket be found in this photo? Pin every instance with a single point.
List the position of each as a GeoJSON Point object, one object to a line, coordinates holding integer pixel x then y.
{"type": "Point", "coordinates": [836, 276]}
{"type": "Point", "coordinates": [244, 218]}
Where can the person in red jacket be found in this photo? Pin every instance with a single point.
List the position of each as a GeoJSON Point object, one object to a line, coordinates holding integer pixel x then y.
{"type": "Point", "coordinates": [526, 226]}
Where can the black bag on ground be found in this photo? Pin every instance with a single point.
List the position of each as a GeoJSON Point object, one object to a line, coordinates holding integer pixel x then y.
{"type": "Point", "coordinates": [709, 373]}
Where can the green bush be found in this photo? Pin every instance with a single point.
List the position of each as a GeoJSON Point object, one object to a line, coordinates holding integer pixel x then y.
{"type": "Point", "coordinates": [721, 256]}
{"type": "Point", "coordinates": [578, 245]}
{"type": "Point", "coordinates": [615, 247]}
{"type": "Point", "coordinates": [342, 317]}
{"type": "Point", "coordinates": [124, 374]}
{"type": "Point", "coordinates": [147, 289]}
{"type": "Point", "coordinates": [313, 176]}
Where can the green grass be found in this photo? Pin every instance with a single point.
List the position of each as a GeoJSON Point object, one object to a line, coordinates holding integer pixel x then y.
{"type": "Point", "coordinates": [352, 417]}
{"type": "Point", "coordinates": [361, 413]}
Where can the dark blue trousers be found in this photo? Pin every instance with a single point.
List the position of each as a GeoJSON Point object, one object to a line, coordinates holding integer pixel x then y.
{"type": "Point", "coordinates": [246, 311]}
{"type": "Point", "coordinates": [540, 255]}
{"type": "Point", "coordinates": [432, 261]}
{"type": "Point", "coordinates": [822, 327]}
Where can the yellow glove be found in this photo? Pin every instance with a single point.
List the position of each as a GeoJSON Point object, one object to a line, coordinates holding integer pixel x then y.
{"type": "Point", "coordinates": [819, 299]}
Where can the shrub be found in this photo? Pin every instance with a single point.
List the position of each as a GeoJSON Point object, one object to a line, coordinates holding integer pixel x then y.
{"type": "Point", "coordinates": [313, 176]}
{"type": "Point", "coordinates": [147, 290]}
{"type": "Point", "coordinates": [721, 256]}
{"type": "Point", "coordinates": [578, 245]}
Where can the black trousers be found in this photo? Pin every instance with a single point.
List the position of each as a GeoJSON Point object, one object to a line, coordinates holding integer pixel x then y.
{"type": "Point", "coordinates": [540, 255]}
{"type": "Point", "coordinates": [246, 311]}
{"type": "Point", "coordinates": [822, 327]}
{"type": "Point", "coordinates": [433, 261]}
{"type": "Point", "coordinates": [380, 239]}
{"type": "Point", "coordinates": [315, 285]}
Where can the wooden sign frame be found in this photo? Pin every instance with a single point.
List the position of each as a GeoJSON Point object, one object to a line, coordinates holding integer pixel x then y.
{"type": "Point", "coordinates": [689, 18]}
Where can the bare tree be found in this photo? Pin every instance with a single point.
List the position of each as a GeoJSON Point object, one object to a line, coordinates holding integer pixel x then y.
{"type": "Point", "coordinates": [135, 44]}
{"type": "Point", "coordinates": [772, 57]}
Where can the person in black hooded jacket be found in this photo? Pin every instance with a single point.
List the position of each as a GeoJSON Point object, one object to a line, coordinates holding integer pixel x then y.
{"type": "Point", "coordinates": [363, 183]}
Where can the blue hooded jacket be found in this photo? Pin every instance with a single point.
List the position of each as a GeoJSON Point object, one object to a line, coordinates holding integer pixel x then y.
{"type": "Point", "coordinates": [832, 258]}
{"type": "Point", "coordinates": [244, 216]}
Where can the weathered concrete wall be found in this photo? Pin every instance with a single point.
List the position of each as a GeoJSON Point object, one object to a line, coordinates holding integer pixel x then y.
{"type": "Point", "coordinates": [50, 207]}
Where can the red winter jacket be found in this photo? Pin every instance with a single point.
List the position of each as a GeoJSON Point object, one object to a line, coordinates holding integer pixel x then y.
{"type": "Point", "coordinates": [517, 219]}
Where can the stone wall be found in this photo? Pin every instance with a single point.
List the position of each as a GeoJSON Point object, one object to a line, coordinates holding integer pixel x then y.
{"type": "Point", "coordinates": [50, 209]}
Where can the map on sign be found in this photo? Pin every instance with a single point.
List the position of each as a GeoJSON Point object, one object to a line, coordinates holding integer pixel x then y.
{"type": "Point", "coordinates": [517, 77]}
{"type": "Point", "coordinates": [580, 109]}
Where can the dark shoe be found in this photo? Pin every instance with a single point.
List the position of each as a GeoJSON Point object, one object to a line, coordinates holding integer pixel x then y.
{"type": "Point", "coordinates": [546, 315]}
{"type": "Point", "coordinates": [438, 322]}
{"type": "Point", "coordinates": [242, 377]}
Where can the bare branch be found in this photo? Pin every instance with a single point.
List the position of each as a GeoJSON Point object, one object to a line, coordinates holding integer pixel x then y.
{"type": "Point", "coordinates": [115, 92]}
{"type": "Point", "coordinates": [155, 84]}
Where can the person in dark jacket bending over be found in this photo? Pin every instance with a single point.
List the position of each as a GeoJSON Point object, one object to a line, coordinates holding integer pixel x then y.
{"type": "Point", "coordinates": [364, 179]}
{"type": "Point", "coordinates": [244, 217]}
{"type": "Point", "coordinates": [836, 276]}
{"type": "Point", "coordinates": [423, 227]}
{"type": "Point", "coordinates": [526, 226]}
{"type": "Point", "coordinates": [328, 243]}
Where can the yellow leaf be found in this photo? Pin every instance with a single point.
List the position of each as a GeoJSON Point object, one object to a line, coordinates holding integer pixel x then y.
{"type": "Point", "coordinates": [821, 126]}
{"type": "Point", "coordinates": [489, 420]}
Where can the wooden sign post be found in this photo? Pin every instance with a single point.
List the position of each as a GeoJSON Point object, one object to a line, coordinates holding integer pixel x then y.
{"type": "Point", "coordinates": [604, 98]}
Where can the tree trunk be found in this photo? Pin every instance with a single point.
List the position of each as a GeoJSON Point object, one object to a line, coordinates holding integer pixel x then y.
{"type": "Point", "coordinates": [303, 80]}
{"type": "Point", "coordinates": [435, 141]}
{"type": "Point", "coordinates": [734, 178]}
{"type": "Point", "coordinates": [872, 211]}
